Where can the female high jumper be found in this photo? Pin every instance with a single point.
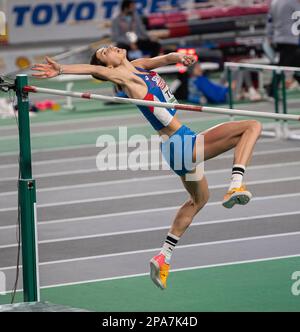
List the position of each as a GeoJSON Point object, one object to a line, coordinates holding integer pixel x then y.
{"type": "Point", "coordinates": [138, 81]}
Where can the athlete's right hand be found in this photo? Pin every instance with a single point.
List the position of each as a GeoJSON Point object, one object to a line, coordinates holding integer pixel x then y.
{"type": "Point", "coordinates": [48, 70]}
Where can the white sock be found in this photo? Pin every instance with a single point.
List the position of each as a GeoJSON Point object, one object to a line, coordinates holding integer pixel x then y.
{"type": "Point", "coordinates": [169, 246]}
{"type": "Point", "coordinates": [237, 176]}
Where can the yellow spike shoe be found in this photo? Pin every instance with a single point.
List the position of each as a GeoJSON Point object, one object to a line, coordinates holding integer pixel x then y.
{"type": "Point", "coordinates": [239, 196]}
{"type": "Point", "coordinates": [159, 271]}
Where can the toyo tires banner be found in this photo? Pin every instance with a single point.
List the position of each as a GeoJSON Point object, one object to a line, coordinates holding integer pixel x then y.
{"type": "Point", "coordinates": [59, 20]}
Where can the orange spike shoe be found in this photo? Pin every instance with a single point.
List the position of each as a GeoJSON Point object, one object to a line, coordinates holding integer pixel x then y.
{"type": "Point", "coordinates": [159, 271]}
{"type": "Point", "coordinates": [239, 196]}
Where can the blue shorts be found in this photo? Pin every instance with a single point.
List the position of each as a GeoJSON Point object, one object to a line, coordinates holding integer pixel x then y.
{"type": "Point", "coordinates": [178, 150]}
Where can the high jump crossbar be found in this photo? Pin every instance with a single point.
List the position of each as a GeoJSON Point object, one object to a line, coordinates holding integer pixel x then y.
{"type": "Point", "coordinates": [184, 107]}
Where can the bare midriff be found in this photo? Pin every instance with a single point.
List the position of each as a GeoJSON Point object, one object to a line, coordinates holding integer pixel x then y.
{"type": "Point", "coordinates": [173, 126]}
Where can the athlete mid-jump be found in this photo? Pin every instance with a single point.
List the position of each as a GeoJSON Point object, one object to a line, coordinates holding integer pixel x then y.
{"type": "Point", "coordinates": [138, 81]}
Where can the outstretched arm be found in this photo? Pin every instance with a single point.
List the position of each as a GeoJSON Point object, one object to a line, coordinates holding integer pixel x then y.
{"type": "Point", "coordinates": [53, 69]}
{"type": "Point", "coordinates": [164, 60]}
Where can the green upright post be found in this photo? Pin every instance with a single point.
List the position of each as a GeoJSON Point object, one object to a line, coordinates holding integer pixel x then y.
{"type": "Point", "coordinates": [27, 198]}
{"type": "Point", "coordinates": [283, 89]}
{"type": "Point", "coordinates": [284, 123]}
{"type": "Point", "coordinates": [275, 91]}
{"type": "Point", "coordinates": [230, 94]}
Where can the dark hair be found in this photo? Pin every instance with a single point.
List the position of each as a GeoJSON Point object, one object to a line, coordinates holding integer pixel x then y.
{"type": "Point", "coordinates": [96, 62]}
{"type": "Point", "coordinates": [126, 4]}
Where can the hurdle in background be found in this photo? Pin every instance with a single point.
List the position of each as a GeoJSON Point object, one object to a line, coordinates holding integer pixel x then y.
{"type": "Point", "coordinates": [279, 76]}
{"type": "Point", "coordinates": [27, 189]}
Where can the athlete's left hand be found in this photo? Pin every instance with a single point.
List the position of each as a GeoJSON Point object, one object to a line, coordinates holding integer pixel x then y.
{"type": "Point", "coordinates": [187, 60]}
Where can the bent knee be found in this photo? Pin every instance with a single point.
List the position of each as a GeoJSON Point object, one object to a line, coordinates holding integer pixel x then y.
{"type": "Point", "coordinates": [200, 201]}
{"type": "Point", "coordinates": [255, 126]}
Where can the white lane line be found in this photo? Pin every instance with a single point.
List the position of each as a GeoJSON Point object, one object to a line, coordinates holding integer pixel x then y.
{"type": "Point", "coordinates": [145, 179]}
{"type": "Point", "coordinates": [116, 214]}
{"type": "Point", "coordinates": [99, 128]}
{"type": "Point", "coordinates": [88, 158]}
{"type": "Point", "coordinates": [55, 133]}
{"type": "Point", "coordinates": [75, 121]}
{"type": "Point", "coordinates": [99, 184]}
{"type": "Point", "coordinates": [150, 193]}
{"type": "Point", "coordinates": [151, 229]}
{"type": "Point", "coordinates": [91, 120]}
{"type": "Point", "coordinates": [84, 146]}
{"type": "Point", "coordinates": [175, 270]}
{"type": "Point", "coordinates": [59, 160]}
{"type": "Point", "coordinates": [52, 161]}
{"type": "Point", "coordinates": [181, 247]}
{"type": "Point", "coordinates": [199, 267]}
{"type": "Point", "coordinates": [107, 198]}
{"type": "Point", "coordinates": [193, 245]}
{"type": "Point", "coordinates": [55, 149]}
{"type": "Point", "coordinates": [146, 166]}
{"type": "Point", "coordinates": [133, 212]}
{"type": "Point", "coordinates": [149, 178]}
{"type": "Point", "coordinates": [45, 175]}
{"type": "Point", "coordinates": [68, 131]}
{"type": "Point", "coordinates": [221, 221]}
